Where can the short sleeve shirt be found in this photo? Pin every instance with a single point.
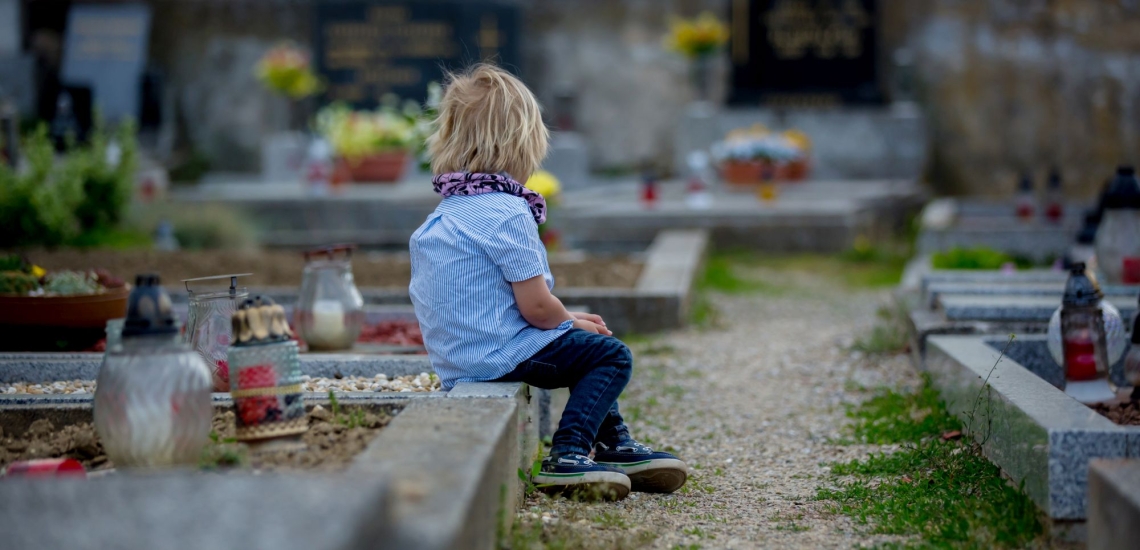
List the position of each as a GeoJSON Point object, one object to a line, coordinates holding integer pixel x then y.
{"type": "Point", "coordinates": [464, 258]}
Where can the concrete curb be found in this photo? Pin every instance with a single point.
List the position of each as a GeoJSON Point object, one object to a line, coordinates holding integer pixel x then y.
{"type": "Point", "coordinates": [1039, 435]}
{"type": "Point", "coordinates": [1114, 504]}
{"type": "Point", "coordinates": [452, 463]}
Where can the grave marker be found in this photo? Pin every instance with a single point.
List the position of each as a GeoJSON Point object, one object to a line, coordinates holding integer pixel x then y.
{"type": "Point", "coordinates": [804, 53]}
{"type": "Point", "coordinates": [105, 50]}
{"type": "Point", "coordinates": [365, 50]}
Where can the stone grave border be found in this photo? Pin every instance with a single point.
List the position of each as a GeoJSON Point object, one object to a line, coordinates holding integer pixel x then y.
{"type": "Point", "coordinates": [1040, 435]}
{"type": "Point", "coordinates": [660, 300]}
{"type": "Point", "coordinates": [442, 474]}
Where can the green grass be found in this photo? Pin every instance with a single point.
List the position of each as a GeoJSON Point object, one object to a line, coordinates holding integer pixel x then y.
{"type": "Point", "coordinates": [945, 494]}
{"type": "Point", "coordinates": [892, 417]}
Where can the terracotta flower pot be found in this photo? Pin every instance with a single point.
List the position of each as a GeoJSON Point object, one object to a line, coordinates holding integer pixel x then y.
{"type": "Point", "coordinates": [90, 311]}
{"type": "Point", "coordinates": [58, 323]}
{"type": "Point", "coordinates": [742, 172]}
{"type": "Point", "coordinates": [384, 167]}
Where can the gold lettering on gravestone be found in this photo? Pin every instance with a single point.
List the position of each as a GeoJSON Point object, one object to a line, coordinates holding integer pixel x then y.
{"type": "Point", "coordinates": [106, 38]}
{"type": "Point", "coordinates": [797, 28]}
{"type": "Point", "coordinates": [389, 33]}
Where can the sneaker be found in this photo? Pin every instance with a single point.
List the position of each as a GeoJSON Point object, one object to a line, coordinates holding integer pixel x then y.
{"type": "Point", "coordinates": [578, 475]}
{"type": "Point", "coordinates": [649, 471]}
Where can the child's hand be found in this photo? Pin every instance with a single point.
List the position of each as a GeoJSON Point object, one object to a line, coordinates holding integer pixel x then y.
{"type": "Point", "coordinates": [596, 319]}
{"type": "Point", "coordinates": [590, 326]}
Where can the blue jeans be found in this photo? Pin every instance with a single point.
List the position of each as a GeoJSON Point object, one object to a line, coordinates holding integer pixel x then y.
{"type": "Point", "coordinates": [596, 368]}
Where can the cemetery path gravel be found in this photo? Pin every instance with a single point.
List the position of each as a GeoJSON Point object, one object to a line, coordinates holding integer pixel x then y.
{"type": "Point", "coordinates": [752, 404]}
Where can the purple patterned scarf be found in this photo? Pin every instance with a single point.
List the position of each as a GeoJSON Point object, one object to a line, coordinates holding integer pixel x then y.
{"type": "Point", "coordinates": [476, 183]}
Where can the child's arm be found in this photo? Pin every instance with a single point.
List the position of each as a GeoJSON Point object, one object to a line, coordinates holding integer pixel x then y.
{"type": "Point", "coordinates": [542, 309]}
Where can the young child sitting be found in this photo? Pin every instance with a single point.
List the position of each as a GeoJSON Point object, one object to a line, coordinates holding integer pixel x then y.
{"type": "Point", "coordinates": [481, 289]}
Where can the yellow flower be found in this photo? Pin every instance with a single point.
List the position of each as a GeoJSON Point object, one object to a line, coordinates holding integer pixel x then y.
{"type": "Point", "coordinates": [545, 184]}
{"type": "Point", "coordinates": [38, 272]}
{"type": "Point", "coordinates": [799, 139]}
{"type": "Point", "coordinates": [285, 69]}
{"type": "Point", "coordinates": [696, 37]}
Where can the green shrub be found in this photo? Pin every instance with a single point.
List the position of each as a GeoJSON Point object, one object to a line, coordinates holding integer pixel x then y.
{"type": "Point", "coordinates": [52, 202]}
{"type": "Point", "coordinates": [107, 183]}
{"type": "Point", "coordinates": [37, 206]}
{"type": "Point", "coordinates": [971, 258]}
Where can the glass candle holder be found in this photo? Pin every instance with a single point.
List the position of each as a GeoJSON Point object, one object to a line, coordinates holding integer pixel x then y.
{"type": "Point", "coordinates": [208, 324]}
{"type": "Point", "coordinates": [330, 310]}
{"type": "Point", "coordinates": [265, 382]}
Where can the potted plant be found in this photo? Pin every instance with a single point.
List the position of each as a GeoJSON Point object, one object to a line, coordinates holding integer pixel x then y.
{"type": "Point", "coordinates": [373, 144]}
{"type": "Point", "coordinates": [750, 156]}
{"type": "Point", "coordinates": [42, 310]}
{"type": "Point", "coordinates": [698, 40]}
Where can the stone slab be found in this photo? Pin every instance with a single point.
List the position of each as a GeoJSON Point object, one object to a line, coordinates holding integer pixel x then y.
{"type": "Point", "coordinates": [1037, 434]}
{"type": "Point", "coordinates": [992, 276]}
{"type": "Point", "coordinates": [820, 216]}
{"type": "Point", "coordinates": [1052, 290]}
{"type": "Point", "coordinates": [1030, 308]}
{"type": "Point", "coordinates": [175, 510]}
{"type": "Point", "coordinates": [454, 470]}
{"type": "Point", "coordinates": [52, 367]}
{"type": "Point", "coordinates": [1114, 504]}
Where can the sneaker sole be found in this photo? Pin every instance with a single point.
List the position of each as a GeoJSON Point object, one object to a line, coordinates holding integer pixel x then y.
{"type": "Point", "coordinates": [662, 475]}
{"type": "Point", "coordinates": [586, 485]}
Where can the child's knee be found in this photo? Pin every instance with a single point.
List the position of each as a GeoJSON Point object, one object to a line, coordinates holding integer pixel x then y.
{"type": "Point", "coordinates": [622, 356]}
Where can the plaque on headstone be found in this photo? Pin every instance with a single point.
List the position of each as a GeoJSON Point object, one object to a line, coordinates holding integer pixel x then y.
{"type": "Point", "coordinates": [105, 50]}
{"type": "Point", "coordinates": [365, 50]}
{"type": "Point", "coordinates": [804, 52]}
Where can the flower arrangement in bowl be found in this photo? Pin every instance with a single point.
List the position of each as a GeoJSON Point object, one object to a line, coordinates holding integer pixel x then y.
{"type": "Point", "coordinates": [753, 155]}
{"type": "Point", "coordinates": [40, 309]}
{"type": "Point", "coordinates": [286, 70]}
{"type": "Point", "coordinates": [373, 144]}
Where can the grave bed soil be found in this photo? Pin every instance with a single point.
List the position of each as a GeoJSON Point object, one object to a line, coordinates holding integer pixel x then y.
{"type": "Point", "coordinates": [330, 444]}
{"type": "Point", "coordinates": [1122, 414]}
{"type": "Point", "coordinates": [279, 268]}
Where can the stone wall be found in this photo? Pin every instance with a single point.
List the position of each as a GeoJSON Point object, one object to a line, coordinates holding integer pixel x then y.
{"type": "Point", "coordinates": [1013, 85]}
{"type": "Point", "coordinates": [1007, 85]}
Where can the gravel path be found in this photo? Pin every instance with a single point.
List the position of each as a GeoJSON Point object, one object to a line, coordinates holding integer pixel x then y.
{"type": "Point", "coordinates": [751, 405]}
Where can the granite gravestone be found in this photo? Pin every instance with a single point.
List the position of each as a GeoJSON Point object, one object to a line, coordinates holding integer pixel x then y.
{"type": "Point", "coordinates": [105, 51]}
{"type": "Point", "coordinates": [365, 50]}
{"type": "Point", "coordinates": [803, 53]}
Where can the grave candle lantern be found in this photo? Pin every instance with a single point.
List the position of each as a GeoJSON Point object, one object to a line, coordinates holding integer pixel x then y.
{"type": "Point", "coordinates": [1118, 237]}
{"type": "Point", "coordinates": [330, 311]}
{"type": "Point", "coordinates": [1083, 342]}
{"type": "Point", "coordinates": [1025, 202]}
{"type": "Point", "coordinates": [208, 324]}
{"type": "Point", "coordinates": [265, 374]}
{"type": "Point", "coordinates": [152, 398]}
{"type": "Point", "coordinates": [1054, 207]}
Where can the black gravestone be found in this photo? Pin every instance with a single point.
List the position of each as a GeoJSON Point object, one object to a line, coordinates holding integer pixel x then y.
{"type": "Point", "coordinates": [804, 52]}
{"type": "Point", "coordinates": [365, 50]}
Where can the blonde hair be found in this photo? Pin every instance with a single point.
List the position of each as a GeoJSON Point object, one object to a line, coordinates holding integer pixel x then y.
{"type": "Point", "coordinates": [488, 122]}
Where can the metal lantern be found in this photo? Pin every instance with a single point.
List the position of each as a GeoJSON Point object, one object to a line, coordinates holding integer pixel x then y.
{"type": "Point", "coordinates": [208, 324]}
{"type": "Point", "coordinates": [1118, 236]}
{"type": "Point", "coordinates": [152, 396]}
{"type": "Point", "coordinates": [330, 311]}
{"type": "Point", "coordinates": [265, 374]}
{"type": "Point", "coordinates": [1083, 343]}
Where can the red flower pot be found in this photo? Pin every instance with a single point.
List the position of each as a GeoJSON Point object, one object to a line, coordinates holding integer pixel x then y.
{"type": "Point", "coordinates": [742, 172]}
{"type": "Point", "coordinates": [385, 167]}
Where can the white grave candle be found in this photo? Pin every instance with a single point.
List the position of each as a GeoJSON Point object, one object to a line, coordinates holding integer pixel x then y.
{"type": "Point", "coordinates": [328, 329]}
